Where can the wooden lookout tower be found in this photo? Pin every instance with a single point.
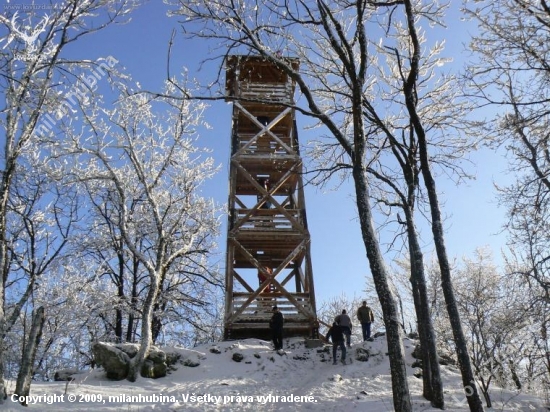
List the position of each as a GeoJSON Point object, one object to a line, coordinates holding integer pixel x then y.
{"type": "Point", "coordinates": [268, 243]}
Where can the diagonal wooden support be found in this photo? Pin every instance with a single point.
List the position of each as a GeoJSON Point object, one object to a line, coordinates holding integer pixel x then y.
{"type": "Point", "coordinates": [266, 195]}
{"type": "Point", "coordinates": [254, 294]}
{"type": "Point", "coordinates": [242, 281]}
{"type": "Point", "coordinates": [292, 256]}
{"type": "Point", "coordinates": [264, 130]}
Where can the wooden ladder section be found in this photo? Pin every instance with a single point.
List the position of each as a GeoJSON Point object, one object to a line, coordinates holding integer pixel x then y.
{"type": "Point", "coordinates": [268, 244]}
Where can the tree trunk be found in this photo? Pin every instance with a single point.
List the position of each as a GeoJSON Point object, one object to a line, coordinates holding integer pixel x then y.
{"type": "Point", "coordinates": [136, 363]}
{"type": "Point", "coordinates": [427, 391]}
{"type": "Point", "coordinates": [118, 325]}
{"type": "Point", "coordinates": [487, 397]}
{"type": "Point", "coordinates": [120, 294]}
{"type": "Point", "coordinates": [515, 376]}
{"type": "Point", "coordinates": [431, 373]}
{"type": "Point", "coordinates": [4, 267]}
{"type": "Point", "coordinates": [156, 323]}
{"type": "Point", "coordinates": [398, 367]}
{"type": "Point", "coordinates": [3, 392]}
{"type": "Point", "coordinates": [23, 385]}
{"type": "Point", "coordinates": [130, 328]}
{"type": "Point", "coordinates": [409, 90]}
{"type": "Point", "coordinates": [130, 332]}
{"type": "Point", "coordinates": [464, 362]}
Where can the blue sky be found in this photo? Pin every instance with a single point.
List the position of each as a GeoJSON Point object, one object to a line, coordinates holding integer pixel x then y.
{"type": "Point", "coordinates": [338, 254]}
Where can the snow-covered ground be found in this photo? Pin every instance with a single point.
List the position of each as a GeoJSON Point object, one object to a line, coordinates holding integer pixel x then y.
{"type": "Point", "coordinates": [295, 379]}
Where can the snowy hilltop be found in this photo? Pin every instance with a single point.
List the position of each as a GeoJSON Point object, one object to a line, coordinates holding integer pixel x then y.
{"type": "Point", "coordinates": [248, 375]}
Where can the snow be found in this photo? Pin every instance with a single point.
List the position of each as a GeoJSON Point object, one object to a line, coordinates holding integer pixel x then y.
{"type": "Point", "coordinates": [297, 378]}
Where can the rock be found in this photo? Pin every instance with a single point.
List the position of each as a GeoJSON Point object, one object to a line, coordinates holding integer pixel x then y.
{"type": "Point", "coordinates": [191, 363]}
{"type": "Point", "coordinates": [65, 375]}
{"type": "Point", "coordinates": [115, 359]}
{"type": "Point", "coordinates": [215, 350]}
{"type": "Point", "coordinates": [445, 359]}
{"type": "Point", "coordinates": [153, 370]}
{"type": "Point", "coordinates": [155, 365]}
{"type": "Point", "coordinates": [237, 357]}
{"type": "Point", "coordinates": [416, 352]}
{"type": "Point", "coordinates": [336, 378]}
{"type": "Point", "coordinates": [112, 359]}
{"type": "Point", "coordinates": [362, 354]}
{"type": "Point", "coordinates": [131, 349]}
{"type": "Point", "coordinates": [156, 355]}
{"type": "Point", "coordinates": [413, 335]}
{"type": "Point", "coordinates": [172, 358]}
{"type": "Point", "coordinates": [314, 343]}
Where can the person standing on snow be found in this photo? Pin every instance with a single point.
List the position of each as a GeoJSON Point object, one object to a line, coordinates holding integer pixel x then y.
{"type": "Point", "coordinates": [335, 333]}
{"type": "Point", "coordinates": [366, 317]}
{"type": "Point", "coordinates": [276, 325]}
{"type": "Point", "coordinates": [345, 323]}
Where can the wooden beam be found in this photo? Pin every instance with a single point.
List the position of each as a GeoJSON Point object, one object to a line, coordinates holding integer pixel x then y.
{"type": "Point", "coordinates": [296, 224]}
{"type": "Point", "coordinates": [265, 129]}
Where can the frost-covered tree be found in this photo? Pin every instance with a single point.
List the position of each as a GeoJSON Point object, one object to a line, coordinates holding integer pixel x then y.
{"type": "Point", "coordinates": [494, 315]}
{"type": "Point", "coordinates": [34, 78]}
{"type": "Point", "coordinates": [102, 247]}
{"type": "Point", "coordinates": [142, 154]}
{"type": "Point", "coordinates": [41, 214]}
{"type": "Point", "coordinates": [77, 302]}
{"type": "Point", "coordinates": [511, 73]}
{"type": "Point", "coordinates": [502, 327]}
{"type": "Point", "coordinates": [534, 372]}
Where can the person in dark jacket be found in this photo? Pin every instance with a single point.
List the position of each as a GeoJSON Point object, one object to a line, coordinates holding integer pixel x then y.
{"type": "Point", "coordinates": [335, 333]}
{"type": "Point", "coordinates": [264, 182]}
{"type": "Point", "coordinates": [276, 325]}
{"type": "Point", "coordinates": [345, 323]}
